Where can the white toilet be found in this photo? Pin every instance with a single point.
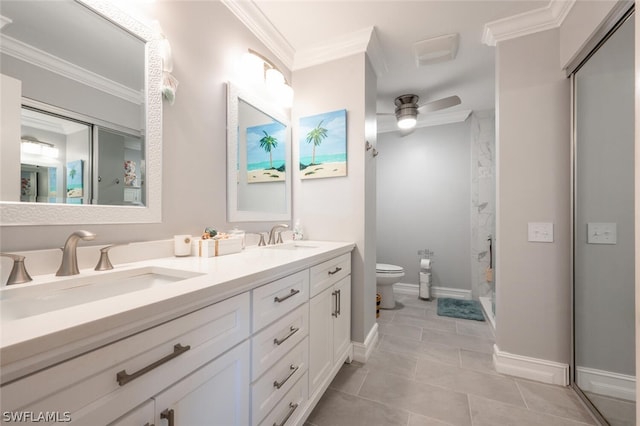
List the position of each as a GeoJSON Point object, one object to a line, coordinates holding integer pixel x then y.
{"type": "Point", "coordinates": [386, 277]}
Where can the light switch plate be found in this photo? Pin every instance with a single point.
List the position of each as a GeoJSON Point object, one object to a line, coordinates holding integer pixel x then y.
{"type": "Point", "coordinates": [602, 233]}
{"type": "Point", "coordinates": [540, 232]}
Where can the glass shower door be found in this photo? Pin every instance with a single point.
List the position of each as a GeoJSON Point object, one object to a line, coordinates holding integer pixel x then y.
{"type": "Point", "coordinates": [604, 293]}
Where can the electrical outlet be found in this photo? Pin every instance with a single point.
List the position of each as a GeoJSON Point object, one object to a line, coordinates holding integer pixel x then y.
{"type": "Point", "coordinates": [602, 233]}
{"type": "Point", "coordinates": [540, 232]}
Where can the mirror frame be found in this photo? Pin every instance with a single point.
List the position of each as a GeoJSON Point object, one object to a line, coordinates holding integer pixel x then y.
{"type": "Point", "coordinates": [259, 100]}
{"type": "Point", "coordinates": [25, 214]}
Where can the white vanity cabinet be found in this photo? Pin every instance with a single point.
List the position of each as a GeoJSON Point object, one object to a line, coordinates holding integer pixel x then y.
{"type": "Point", "coordinates": [329, 322]}
{"type": "Point", "coordinates": [101, 386]}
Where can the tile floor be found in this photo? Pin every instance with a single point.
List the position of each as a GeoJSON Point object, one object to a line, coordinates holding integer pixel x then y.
{"type": "Point", "coordinates": [434, 371]}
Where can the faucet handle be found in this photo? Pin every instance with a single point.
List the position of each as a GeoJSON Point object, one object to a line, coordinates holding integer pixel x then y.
{"type": "Point", "coordinates": [104, 264]}
{"type": "Point", "coordinates": [18, 274]}
{"type": "Point", "coordinates": [279, 240]}
{"type": "Point", "coordinates": [261, 243]}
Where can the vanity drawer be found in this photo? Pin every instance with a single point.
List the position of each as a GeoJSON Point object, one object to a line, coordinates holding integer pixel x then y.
{"type": "Point", "coordinates": [325, 274]}
{"type": "Point", "coordinates": [288, 410]}
{"type": "Point", "coordinates": [272, 343]}
{"type": "Point", "coordinates": [277, 381]}
{"type": "Point", "coordinates": [273, 300]}
{"type": "Point", "coordinates": [126, 370]}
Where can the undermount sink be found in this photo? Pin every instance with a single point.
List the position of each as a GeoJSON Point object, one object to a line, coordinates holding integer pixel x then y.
{"type": "Point", "coordinates": [290, 246]}
{"type": "Point", "coordinates": [22, 302]}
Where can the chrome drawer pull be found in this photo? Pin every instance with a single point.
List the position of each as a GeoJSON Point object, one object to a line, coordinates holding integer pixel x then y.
{"type": "Point", "coordinates": [169, 416]}
{"type": "Point", "coordinates": [292, 331]}
{"type": "Point", "coordinates": [335, 271]}
{"type": "Point", "coordinates": [292, 408]}
{"type": "Point", "coordinates": [123, 377]}
{"type": "Point", "coordinates": [282, 299]}
{"type": "Point", "coordinates": [339, 301]}
{"type": "Point", "coordinates": [335, 311]}
{"type": "Point", "coordinates": [293, 369]}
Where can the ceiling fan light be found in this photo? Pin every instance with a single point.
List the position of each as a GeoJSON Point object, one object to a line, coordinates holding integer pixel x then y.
{"type": "Point", "coordinates": [407, 122]}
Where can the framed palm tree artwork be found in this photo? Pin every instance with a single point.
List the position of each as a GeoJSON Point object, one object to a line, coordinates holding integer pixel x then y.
{"type": "Point", "coordinates": [266, 153]}
{"type": "Point", "coordinates": [323, 145]}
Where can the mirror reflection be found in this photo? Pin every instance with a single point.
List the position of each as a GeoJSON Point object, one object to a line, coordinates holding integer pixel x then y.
{"type": "Point", "coordinates": [79, 82]}
{"type": "Point", "coordinates": [259, 152]}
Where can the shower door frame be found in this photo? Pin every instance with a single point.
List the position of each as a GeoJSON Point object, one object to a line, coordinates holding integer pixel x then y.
{"type": "Point", "coordinates": [618, 15]}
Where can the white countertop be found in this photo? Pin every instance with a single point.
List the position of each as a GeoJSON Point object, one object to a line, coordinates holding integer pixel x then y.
{"type": "Point", "coordinates": [31, 343]}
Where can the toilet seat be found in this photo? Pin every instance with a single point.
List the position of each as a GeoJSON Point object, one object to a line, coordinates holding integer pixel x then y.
{"type": "Point", "coordinates": [383, 268]}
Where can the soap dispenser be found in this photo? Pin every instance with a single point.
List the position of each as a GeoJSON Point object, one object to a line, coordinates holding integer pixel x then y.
{"type": "Point", "coordinates": [298, 234]}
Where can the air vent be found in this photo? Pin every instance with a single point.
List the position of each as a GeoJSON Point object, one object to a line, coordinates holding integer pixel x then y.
{"type": "Point", "coordinates": [437, 49]}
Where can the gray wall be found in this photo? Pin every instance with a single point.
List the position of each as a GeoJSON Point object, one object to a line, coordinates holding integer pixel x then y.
{"type": "Point", "coordinates": [533, 185]}
{"type": "Point", "coordinates": [424, 201]}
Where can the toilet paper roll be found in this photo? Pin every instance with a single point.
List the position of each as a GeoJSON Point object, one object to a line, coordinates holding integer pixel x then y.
{"type": "Point", "coordinates": [425, 263]}
{"type": "Point", "coordinates": [182, 245]}
{"type": "Point", "coordinates": [425, 277]}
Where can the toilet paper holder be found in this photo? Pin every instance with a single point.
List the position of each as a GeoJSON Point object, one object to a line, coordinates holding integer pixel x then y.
{"type": "Point", "coordinates": [425, 262]}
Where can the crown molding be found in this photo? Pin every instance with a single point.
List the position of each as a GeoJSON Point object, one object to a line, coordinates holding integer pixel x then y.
{"type": "Point", "coordinates": [432, 119]}
{"type": "Point", "coordinates": [361, 41]}
{"type": "Point", "coordinates": [4, 21]}
{"type": "Point", "coordinates": [546, 18]}
{"type": "Point", "coordinates": [252, 17]}
{"type": "Point", "coordinates": [27, 53]}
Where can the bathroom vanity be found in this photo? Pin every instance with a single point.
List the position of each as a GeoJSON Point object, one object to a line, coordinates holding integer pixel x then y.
{"type": "Point", "coordinates": [249, 338]}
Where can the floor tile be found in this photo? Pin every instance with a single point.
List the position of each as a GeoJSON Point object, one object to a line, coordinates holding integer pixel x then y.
{"type": "Point", "coordinates": [393, 363]}
{"type": "Point", "coordinates": [487, 412]}
{"type": "Point", "coordinates": [463, 380]}
{"type": "Point", "coordinates": [618, 412]}
{"type": "Point", "coordinates": [407, 331]}
{"type": "Point", "coordinates": [420, 398]}
{"type": "Point", "coordinates": [458, 341]}
{"type": "Point", "coordinates": [480, 329]}
{"type": "Point", "coordinates": [477, 361]}
{"type": "Point", "coordinates": [418, 420]}
{"type": "Point", "coordinates": [433, 351]}
{"type": "Point", "coordinates": [555, 400]}
{"type": "Point", "coordinates": [340, 409]}
{"type": "Point", "coordinates": [434, 323]}
{"type": "Point", "coordinates": [350, 378]}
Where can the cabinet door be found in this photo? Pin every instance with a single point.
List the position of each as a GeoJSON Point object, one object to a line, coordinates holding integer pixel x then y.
{"type": "Point", "coordinates": [342, 322]}
{"type": "Point", "coordinates": [320, 337]}
{"type": "Point", "coordinates": [141, 416]}
{"type": "Point", "coordinates": [217, 394]}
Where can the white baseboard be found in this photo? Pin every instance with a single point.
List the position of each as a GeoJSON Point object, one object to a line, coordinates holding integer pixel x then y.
{"type": "Point", "coordinates": [540, 370]}
{"type": "Point", "coordinates": [361, 351]}
{"type": "Point", "coordinates": [606, 383]}
{"type": "Point", "coordinates": [412, 290]}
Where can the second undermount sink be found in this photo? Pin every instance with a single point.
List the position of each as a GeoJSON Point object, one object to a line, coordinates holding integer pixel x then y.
{"type": "Point", "coordinates": [22, 302]}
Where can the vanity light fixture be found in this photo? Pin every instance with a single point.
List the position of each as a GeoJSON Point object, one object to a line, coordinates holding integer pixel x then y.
{"type": "Point", "coordinates": [33, 146]}
{"type": "Point", "coordinates": [259, 70]}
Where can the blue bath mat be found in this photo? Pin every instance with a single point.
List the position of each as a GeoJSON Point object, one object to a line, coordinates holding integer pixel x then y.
{"type": "Point", "coordinates": [460, 308]}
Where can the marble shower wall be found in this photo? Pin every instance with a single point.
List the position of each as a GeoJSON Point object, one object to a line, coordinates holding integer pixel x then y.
{"type": "Point", "coordinates": [482, 199]}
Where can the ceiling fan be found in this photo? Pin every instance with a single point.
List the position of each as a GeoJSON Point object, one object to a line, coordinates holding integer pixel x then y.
{"type": "Point", "coordinates": [407, 108]}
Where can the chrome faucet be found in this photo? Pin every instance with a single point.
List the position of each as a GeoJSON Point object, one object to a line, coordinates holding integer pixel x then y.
{"type": "Point", "coordinates": [69, 265]}
{"type": "Point", "coordinates": [272, 233]}
{"type": "Point", "coordinates": [18, 274]}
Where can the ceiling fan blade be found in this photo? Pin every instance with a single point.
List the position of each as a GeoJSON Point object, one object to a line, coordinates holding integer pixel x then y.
{"type": "Point", "coordinates": [385, 113]}
{"type": "Point", "coordinates": [440, 104]}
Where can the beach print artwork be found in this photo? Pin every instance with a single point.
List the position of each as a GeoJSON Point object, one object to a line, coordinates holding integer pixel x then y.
{"type": "Point", "coordinates": [323, 145]}
{"type": "Point", "coordinates": [74, 179]}
{"type": "Point", "coordinates": [266, 153]}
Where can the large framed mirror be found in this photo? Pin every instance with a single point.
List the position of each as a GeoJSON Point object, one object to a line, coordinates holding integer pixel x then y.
{"type": "Point", "coordinates": [258, 157]}
{"type": "Point", "coordinates": [81, 115]}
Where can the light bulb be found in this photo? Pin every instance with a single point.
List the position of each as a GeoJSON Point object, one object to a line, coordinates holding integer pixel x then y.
{"type": "Point", "coordinates": [407, 122]}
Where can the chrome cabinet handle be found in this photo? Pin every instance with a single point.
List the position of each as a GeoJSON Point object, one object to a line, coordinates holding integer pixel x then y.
{"type": "Point", "coordinates": [292, 408]}
{"type": "Point", "coordinates": [168, 415]}
{"type": "Point", "coordinates": [339, 301]}
{"type": "Point", "coordinates": [123, 377]}
{"type": "Point", "coordinates": [335, 311]}
{"type": "Point", "coordinates": [335, 271]}
{"type": "Point", "coordinates": [293, 369]}
{"type": "Point", "coordinates": [292, 293]}
{"type": "Point", "coordinates": [292, 331]}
